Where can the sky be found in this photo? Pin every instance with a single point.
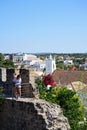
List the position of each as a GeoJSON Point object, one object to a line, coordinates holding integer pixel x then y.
{"type": "Point", "coordinates": [36, 26]}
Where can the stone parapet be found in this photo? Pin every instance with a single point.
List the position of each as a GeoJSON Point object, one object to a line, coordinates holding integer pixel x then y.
{"type": "Point", "coordinates": [32, 114]}
{"type": "Point", "coordinates": [6, 76]}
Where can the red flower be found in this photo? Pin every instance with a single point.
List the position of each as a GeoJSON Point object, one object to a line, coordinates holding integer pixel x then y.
{"type": "Point", "coordinates": [48, 80]}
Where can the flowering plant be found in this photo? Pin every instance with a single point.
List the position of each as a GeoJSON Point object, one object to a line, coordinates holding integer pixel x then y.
{"type": "Point", "coordinates": [48, 80]}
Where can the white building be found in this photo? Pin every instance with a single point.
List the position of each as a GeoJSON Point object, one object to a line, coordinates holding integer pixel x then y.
{"type": "Point", "coordinates": [68, 62]}
{"type": "Point", "coordinates": [85, 65]}
{"type": "Point", "coordinates": [50, 65]}
{"type": "Point", "coordinates": [39, 65]}
{"type": "Point", "coordinates": [28, 60]}
{"type": "Point", "coordinates": [19, 57]}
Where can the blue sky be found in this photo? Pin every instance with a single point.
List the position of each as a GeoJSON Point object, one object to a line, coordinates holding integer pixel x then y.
{"type": "Point", "coordinates": [32, 26]}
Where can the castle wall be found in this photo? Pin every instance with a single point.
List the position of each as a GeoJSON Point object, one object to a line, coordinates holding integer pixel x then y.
{"type": "Point", "coordinates": [32, 114]}
{"type": "Point", "coordinates": [6, 76]}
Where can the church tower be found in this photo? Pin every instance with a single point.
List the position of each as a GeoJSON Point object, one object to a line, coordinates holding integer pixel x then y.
{"type": "Point", "coordinates": [50, 64]}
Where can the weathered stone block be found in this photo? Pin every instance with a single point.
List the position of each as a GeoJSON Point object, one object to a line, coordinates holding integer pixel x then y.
{"type": "Point", "coordinates": [32, 114]}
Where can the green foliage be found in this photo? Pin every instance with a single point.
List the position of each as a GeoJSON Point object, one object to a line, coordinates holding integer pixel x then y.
{"type": "Point", "coordinates": [68, 100]}
{"type": "Point", "coordinates": [60, 64]}
{"type": "Point", "coordinates": [1, 98]}
{"type": "Point", "coordinates": [82, 125]}
{"type": "Point", "coordinates": [48, 95]}
{"type": "Point", "coordinates": [72, 107]}
{"type": "Point", "coordinates": [6, 63]}
{"type": "Point", "coordinates": [64, 96]}
{"type": "Point", "coordinates": [1, 57]}
{"type": "Point", "coordinates": [1, 60]}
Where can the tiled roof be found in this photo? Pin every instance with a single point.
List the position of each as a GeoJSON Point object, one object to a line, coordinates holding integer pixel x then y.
{"type": "Point", "coordinates": [65, 77]}
{"type": "Point", "coordinates": [78, 86]}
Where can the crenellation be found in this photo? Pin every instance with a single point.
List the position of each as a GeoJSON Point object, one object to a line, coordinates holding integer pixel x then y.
{"type": "Point", "coordinates": [3, 74]}
{"type": "Point", "coordinates": [9, 75]}
{"type": "Point", "coordinates": [29, 112]}
{"type": "Point", "coordinates": [25, 75]}
{"type": "Point", "coordinates": [27, 87]}
{"type": "Point", "coordinates": [4, 78]}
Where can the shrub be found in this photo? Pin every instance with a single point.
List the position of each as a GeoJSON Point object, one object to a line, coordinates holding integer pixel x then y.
{"type": "Point", "coordinates": [49, 95]}
{"type": "Point", "coordinates": [1, 98]}
{"type": "Point", "coordinates": [72, 107]}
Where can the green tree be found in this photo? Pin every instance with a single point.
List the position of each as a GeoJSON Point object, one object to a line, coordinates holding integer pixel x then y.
{"type": "Point", "coordinates": [1, 98]}
{"type": "Point", "coordinates": [60, 64]}
{"type": "Point", "coordinates": [70, 103]}
{"type": "Point", "coordinates": [1, 57]}
{"type": "Point", "coordinates": [8, 63]}
{"type": "Point", "coordinates": [1, 60]}
{"type": "Point", "coordinates": [72, 107]}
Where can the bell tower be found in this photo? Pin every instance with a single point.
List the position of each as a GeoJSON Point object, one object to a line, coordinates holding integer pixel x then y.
{"type": "Point", "coordinates": [50, 64]}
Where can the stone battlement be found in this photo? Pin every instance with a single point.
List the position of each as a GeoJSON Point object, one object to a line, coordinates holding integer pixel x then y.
{"type": "Point", "coordinates": [6, 76]}
{"type": "Point", "coordinates": [28, 113]}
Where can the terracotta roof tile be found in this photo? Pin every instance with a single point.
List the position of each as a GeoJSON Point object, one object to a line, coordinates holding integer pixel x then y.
{"type": "Point", "coordinates": [67, 76]}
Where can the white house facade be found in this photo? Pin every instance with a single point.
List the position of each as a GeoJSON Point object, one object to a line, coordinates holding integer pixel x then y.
{"type": "Point", "coordinates": [85, 65]}
{"type": "Point", "coordinates": [50, 65]}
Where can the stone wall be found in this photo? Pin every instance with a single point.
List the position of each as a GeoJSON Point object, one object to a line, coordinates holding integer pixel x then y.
{"type": "Point", "coordinates": [6, 76]}
{"type": "Point", "coordinates": [32, 114]}
{"type": "Point", "coordinates": [28, 113]}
